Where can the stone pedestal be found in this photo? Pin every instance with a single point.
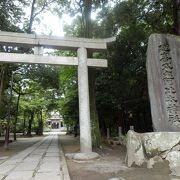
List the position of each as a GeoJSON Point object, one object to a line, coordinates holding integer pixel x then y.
{"type": "Point", "coordinates": [85, 157]}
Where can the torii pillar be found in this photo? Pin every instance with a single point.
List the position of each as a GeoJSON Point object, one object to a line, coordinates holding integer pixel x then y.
{"type": "Point", "coordinates": [84, 109]}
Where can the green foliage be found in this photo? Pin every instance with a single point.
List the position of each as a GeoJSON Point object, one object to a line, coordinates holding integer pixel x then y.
{"type": "Point", "coordinates": [35, 87]}
{"type": "Point", "coordinates": [10, 14]}
{"type": "Point", "coordinates": [122, 88]}
{"type": "Point", "coordinates": [68, 103]}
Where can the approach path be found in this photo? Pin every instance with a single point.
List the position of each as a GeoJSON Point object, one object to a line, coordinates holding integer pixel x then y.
{"type": "Point", "coordinates": [42, 161]}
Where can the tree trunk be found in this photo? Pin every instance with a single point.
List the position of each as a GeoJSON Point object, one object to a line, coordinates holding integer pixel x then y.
{"type": "Point", "coordinates": [0, 130]}
{"type": "Point", "coordinates": [3, 73]}
{"type": "Point", "coordinates": [96, 136]}
{"type": "Point", "coordinates": [87, 19]}
{"type": "Point", "coordinates": [6, 143]}
{"type": "Point", "coordinates": [24, 123]}
{"type": "Point", "coordinates": [176, 16]}
{"type": "Point", "coordinates": [30, 124]}
{"type": "Point", "coordinates": [16, 117]}
{"type": "Point", "coordinates": [29, 30]}
{"type": "Point", "coordinates": [1, 81]}
{"type": "Point", "coordinates": [40, 123]}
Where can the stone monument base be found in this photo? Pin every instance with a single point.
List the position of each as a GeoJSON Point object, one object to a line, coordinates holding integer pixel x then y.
{"type": "Point", "coordinates": [154, 147]}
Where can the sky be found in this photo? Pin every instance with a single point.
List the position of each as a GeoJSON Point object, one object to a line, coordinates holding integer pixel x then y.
{"type": "Point", "coordinates": [48, 23]}
{"type": "Point", "coordinates": [51, 24]}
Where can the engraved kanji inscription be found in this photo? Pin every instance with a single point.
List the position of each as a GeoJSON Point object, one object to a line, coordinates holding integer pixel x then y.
{"type": "Point", "coordinates": [167, 76]}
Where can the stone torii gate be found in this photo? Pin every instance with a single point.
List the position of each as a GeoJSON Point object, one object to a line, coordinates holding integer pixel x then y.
{"type": "Point", "coordinates": [81, 45]}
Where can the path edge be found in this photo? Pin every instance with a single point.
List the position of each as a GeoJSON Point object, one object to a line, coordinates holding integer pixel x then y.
{"type": "Point", "coordinates": [65, 170]}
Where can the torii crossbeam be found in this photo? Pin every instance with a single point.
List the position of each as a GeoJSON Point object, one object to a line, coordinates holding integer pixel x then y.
{"type": "Point", "coordinates": [81, 45]}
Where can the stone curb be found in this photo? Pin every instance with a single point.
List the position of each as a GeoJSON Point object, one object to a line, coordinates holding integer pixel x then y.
{"type": "Point", "coordinates": [65, 171]}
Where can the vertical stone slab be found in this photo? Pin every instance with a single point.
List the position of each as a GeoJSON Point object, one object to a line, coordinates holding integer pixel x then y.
{"type": "Point", "coordinates": [84, 111]}
{"type": "Point", "coordinates": [120, 131]}
{"type": "Point", "coordinates": [163, 70]}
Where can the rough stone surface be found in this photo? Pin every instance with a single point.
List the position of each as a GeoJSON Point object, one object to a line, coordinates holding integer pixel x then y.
{"type": "Point", "coordinates": [70, 155]}
{"type": "Point", "coordinates": [135, 153]}
{"type": "Point", "coordinates": [174, 162]}
{"type": "Point", "coordinates": [151, 162]}
{"type": "Point", "coordinates": [164, 81]}
{"type": "Point", "coordinates": [152, 148]}
{"type": "Point", "coordinates": [159, 142]}
{"type": "Point", "coordinates": [82, 157]}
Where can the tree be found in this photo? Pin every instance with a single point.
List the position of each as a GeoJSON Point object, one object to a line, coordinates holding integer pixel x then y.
{"type": "Point", "coordinates": [122, 88]}
{"type": "Point", "coordinates": [85, 29]}
{"type": "Point", "coordinates": [68, 103]}
{"type": "Point", "coordinates": [176, 16]}
{"type": "Point", "coordinates": [20, 86]}
{"type": "Point", "coordinates": [10, 15]}
{"type": "Point", "coordinates": [38, 86]}
{"type": "Point", "coordinates": [37, 7]}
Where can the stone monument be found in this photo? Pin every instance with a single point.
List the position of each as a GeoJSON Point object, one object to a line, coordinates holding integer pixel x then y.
{"type": "Point", "coordinates": [163, 70]}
